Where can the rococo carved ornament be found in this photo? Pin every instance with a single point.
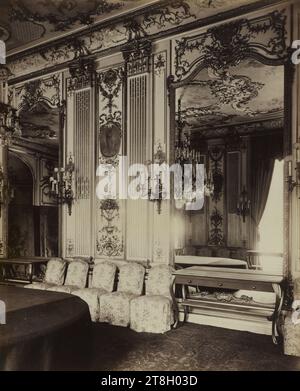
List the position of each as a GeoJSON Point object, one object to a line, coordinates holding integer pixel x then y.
{"type": "Point", "coordinates": [110, 84]}
{"type": "Point", "coordinates": [33, 92]}
{"type": "Point", "coordinates": [216, 232]}
{"type": "Point", "coordinates": [65, 15]}
{"type": "Point", "coordinates": [228, 44]}
{"type": "Point", "coordinates": [109, 240]}
{"type": "Point", "coordinates": [82, 73]}
{"type": "Point", "coordinates": [157, 20]}
{"type": "Point", "coordinates": [137, 54]}
{"type": "Point", "coordinates": [216, 155]}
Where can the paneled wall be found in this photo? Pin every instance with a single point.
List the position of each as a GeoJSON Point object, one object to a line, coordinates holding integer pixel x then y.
{"type": "Point", "coordinates": [110, 217]}
{"type": "Point", "coordinates": [127, 90]}
{"type": "Point", "coordinates": [80, 146]}
{"type": "Point", "coordinates": [139, 140]}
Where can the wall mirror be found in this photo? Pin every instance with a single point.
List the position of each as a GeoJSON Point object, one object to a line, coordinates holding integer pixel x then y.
{"type": "Point", "coordinates": [33, 222]}
{"type": "Point", "coordinates": [231, 117]}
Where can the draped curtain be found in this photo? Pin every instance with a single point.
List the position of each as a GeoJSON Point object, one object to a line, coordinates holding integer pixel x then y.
{"type": "Point", "coordinates": [265, 150]}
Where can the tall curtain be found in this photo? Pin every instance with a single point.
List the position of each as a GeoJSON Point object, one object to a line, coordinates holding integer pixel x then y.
{"type": "Point", "coordinates": [265, 150]}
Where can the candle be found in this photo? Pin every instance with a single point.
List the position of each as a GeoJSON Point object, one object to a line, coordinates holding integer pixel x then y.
{"type": "Point", "coordinates": [290, 168]}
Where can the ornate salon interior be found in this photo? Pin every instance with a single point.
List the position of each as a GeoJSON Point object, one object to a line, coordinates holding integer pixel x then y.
{"type": "Point", "coordinates": [147, 282]}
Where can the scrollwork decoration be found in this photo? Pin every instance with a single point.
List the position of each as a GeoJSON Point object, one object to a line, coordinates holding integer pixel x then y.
{"type": "Point", "coordinates": [228, 44]}
{"type": "Point", "coordinates": [109, 241]}
{"type": "Point", "coordinates": [216, 232]}
{"type": "Point", "coordinates": [65, 14]}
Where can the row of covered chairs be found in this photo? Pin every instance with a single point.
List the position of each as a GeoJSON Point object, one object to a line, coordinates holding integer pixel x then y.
{"type": "Point", "coordinates": [122, 303]}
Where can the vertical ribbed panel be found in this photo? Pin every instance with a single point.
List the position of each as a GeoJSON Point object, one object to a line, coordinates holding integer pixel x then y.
{"type": "Point", "coordinates": [83, 161]}
{"type": "Point", "coordinates": [138, 145]}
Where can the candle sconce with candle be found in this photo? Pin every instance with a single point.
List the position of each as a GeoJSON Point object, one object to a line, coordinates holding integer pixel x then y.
{"type": "Point", "coordinates": [291, 182]}
{"type": "Point", "coordinates": [61, 184]}
{"type": "Point", "coordinates": [7, 192]}
{"type": "Point", "coordinates": [244, 204]}
{"type": "Point", "coordinates": [155, 186]}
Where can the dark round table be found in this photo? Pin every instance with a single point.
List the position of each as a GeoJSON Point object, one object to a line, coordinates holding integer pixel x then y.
{"type": "Point", "coordinates": [43, 331]}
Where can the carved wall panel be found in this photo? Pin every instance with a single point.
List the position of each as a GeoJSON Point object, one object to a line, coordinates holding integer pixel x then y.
{"type": "Point", "coordinates": [233, 190]}
{"type": "Point", "coordinates": [226, 45]}
{"type": "Point", "coordinates": [138, 242]}
{"type": "Point", "coordinates": [80, 144]}
{"type": "Point", "coordinates": [110, 236]}
{"type": "Point", "coordinates": [216, 206]}
{"type": "Point", "coordinates": [83, 152]}
{"type": "Point", "coordinates": [161, 221]}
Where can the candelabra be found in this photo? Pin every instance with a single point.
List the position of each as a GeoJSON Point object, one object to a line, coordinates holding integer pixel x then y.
{"type": "Point", "coordinates": [184, 154]}
{"type": "Point", "coordinates": [61, 184]}
{"type": "Point", "coordinates": [244, 204]}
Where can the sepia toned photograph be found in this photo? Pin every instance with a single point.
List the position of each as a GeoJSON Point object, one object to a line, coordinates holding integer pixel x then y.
{"type": "Point", "coordinates": [149, 188]}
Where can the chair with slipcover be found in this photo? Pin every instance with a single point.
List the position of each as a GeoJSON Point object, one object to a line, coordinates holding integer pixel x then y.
{"type": "Point", "coordinates": [54, 275]}
{"type": "Point", "coordinates": [153, 312]}
{"type": "Point", "coordinates": [115, 307]}
{"type": "Point", "coordinates": [76, 277]}
{"type": "Point", "coordinates": [102, 282]}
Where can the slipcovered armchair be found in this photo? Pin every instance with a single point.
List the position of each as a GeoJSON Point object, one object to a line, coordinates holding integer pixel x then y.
{"type": "Point", "coordinates": [115, 307]}
{"type": "Point", "coordinates": [54, 276]}
{"type": "Point", "coordinates": [76, 277]}
{"type": "Point", "coordinates": [103, 280]}
{"type": "Point", "coordinates": [153, 313]}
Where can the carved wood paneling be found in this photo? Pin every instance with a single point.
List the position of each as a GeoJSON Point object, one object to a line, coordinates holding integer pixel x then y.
{"type": "Point", "coordinates": [110, 214]}
{"type": "Point", "coordinates": [217, 214]}
{"type": "Point", "coordinates": [83, 152]}
{"type": "Point", "coordinates": [138, 143]}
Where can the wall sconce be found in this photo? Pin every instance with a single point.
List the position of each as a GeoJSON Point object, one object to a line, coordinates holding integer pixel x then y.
{"type": "Point", "coordinates": [159, 158]}
{"type": "Point", "coordinates": [244, 204]}
{"type": "Point", "coordinates": [9, 123]}
{"type": "Point", "coordinates": [209, 186]}
{"type": "Point", "coordinates": [61, 184]}
{"type": "Point", "coordinates": [291, 183]}
{"type": "Point", "coordinates": [7, 192]}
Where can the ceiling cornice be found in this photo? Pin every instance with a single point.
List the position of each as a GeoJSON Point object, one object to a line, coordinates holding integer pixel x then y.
{"type": "Point", "coordinates": [219, 17]}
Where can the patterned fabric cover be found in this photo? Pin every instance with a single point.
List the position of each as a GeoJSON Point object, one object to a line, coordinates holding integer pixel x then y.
{"type": "Point", "coordinates": [63, 288]}
{"type": "Point", "coordinates": [75, 279]}
{"type": "Point", "coordinates": [159, 280]}
{"type": "Point", "coordinates": [77, 273]}
{"type": "Point", "coordinates": [55, 272]}
{"type": "Point", "coordinates": [103, 282]}
{"type": "Point", "coordinates": [153, 313]}
{"type": "Point", "coordinates": [131, 279]}
{"type": "Point", "coordinates": [91, 297]}
{"type": "Point", "coordinates": [39, 285]}
{"type": "Point", "coordinates": [55, 275]}
{"type": "Point", "coordinates": [115, 307]}
{"type": "Point", "coordinates": [104, 274]}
